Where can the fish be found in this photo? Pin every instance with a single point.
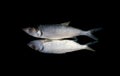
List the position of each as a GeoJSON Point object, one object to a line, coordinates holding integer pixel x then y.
{"type": "Point", "coordinates": [59, 31]}
{"type": "Point", "coordinates": [58, 46]}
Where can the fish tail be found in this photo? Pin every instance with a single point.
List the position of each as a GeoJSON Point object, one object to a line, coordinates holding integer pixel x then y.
{"type": "Point", "coordinates": [89, 33]}
{"type": "Point", "coordinates": [91, 43]}
{"type": "Point", "coordinates": [89, 48]}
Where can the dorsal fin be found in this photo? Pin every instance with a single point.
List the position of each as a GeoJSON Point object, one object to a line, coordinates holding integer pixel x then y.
{"type": "Point", "coordinates": [65, 23]}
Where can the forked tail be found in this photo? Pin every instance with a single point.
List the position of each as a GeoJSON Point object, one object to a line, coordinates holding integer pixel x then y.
{"type": "Point", "coordinates": [89, 33]}
{"type": "Point", "coordinates": [89, 48]}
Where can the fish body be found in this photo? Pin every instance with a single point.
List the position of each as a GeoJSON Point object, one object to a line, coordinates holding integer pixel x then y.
{"type": "Point", "coordinates": [58, 31]}
{"type": "Point", "coordinates": [57, 46]}
{"type": "Point", "coordinates": [54, 38]}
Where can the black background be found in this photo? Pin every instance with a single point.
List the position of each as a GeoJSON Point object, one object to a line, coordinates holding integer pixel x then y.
{"type": "Point", "coordinates": [18, 58]}
{"type": "Point", "coordinates": [84, 22]}
{"type": "Point", "coordinates": [83, 18]}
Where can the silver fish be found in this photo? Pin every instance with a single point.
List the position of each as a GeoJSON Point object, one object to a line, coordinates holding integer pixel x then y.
{"type": "Point", "coordinates": [58, 31]}
{"type": "Point", "coordinates": [57, 46]}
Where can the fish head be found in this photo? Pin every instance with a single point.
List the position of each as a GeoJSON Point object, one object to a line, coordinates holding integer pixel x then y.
{"type": "Point", "coordinates": [36, 45]}
{"type": "Point", "coordinates": [32, 31]}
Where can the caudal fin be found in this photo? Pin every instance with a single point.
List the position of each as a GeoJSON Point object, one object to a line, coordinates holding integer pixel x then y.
{"type": "Point", "coordinates": [89, 33]}
{"type": "Point", "coordinates": [87, 45]}
{"type": "Point", "coordinates": [91, 43]}
{"type": "Point", "coordinates": [89, 48]}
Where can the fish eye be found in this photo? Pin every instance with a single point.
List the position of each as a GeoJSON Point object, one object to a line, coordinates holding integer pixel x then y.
{"type": "Point", "coordinates": [36, 45]}
{"type": "Point", "coordinates": [33, 47]}
{"type": "Point", "coordinates": [32, 30]}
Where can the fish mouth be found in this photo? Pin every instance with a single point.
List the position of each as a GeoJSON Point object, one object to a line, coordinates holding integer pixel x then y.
{"type": "Point", "coordinates": [24, 29]}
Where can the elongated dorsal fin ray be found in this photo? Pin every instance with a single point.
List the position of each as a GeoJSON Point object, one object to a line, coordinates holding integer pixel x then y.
{"type": "Point", "coordinates": [65, 23]}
